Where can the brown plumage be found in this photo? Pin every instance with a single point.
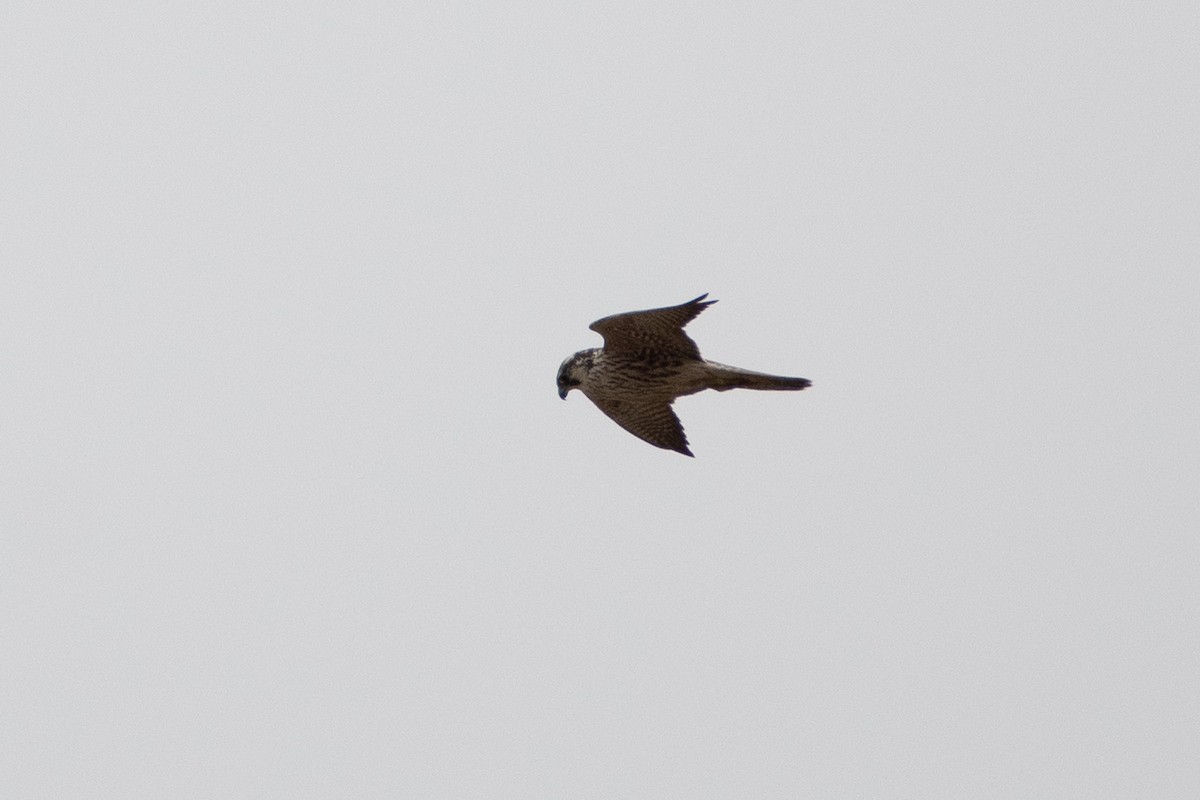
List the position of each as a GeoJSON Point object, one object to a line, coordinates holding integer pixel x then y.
{"type": "Point", "coordinates": [647, 361]}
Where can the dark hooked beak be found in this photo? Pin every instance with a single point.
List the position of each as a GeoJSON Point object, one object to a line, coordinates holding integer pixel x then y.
{"type": "Point", "coordinates": [562, 392]}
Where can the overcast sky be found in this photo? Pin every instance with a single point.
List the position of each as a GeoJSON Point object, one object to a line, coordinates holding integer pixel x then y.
{"type": "Point", "coordinates": [290, 505]}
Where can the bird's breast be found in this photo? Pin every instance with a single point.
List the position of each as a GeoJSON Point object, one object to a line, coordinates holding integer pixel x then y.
{"type": "Point", "coordinates": [647, 372]}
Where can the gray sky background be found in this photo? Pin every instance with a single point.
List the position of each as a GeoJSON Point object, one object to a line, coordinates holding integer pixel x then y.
{"type": "Point", "coordinates": [291, 507]}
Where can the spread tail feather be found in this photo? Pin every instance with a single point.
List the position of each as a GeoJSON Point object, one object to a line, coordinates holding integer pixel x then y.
{"type": "Point", "coordinates": [723, 377]}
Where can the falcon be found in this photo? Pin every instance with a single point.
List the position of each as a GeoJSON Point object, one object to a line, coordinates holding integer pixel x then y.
{"type": "Point", "coordinates": [646, 362]}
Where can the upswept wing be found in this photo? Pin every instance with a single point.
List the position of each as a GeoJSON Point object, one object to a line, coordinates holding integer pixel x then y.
{"type": "Point", "coordinates": [657, 328]}
{"type": "Point", "coordinates": [651, 420]}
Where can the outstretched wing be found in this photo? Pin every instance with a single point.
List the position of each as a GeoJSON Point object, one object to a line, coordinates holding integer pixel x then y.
{"type": "Point", "coordinates": [658, 328]}
{"type": "Point", "coordinates": [651, 420]}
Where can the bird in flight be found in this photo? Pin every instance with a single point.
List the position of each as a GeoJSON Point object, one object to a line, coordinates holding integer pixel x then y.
{"type": "Point", "coordinates": [646, 362]}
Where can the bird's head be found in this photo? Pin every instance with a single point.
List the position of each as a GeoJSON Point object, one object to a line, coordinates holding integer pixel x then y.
{"type": "Point", "coordinates": [574, 372]}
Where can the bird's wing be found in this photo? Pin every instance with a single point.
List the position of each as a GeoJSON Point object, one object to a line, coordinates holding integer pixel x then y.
{"type": "Point", "coordinates": [649, 419]}
{"type": "Point", "coordinates": [660, 329]}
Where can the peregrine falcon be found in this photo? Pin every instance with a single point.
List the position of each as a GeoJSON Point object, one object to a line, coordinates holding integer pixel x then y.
{"type": "Point", "coordinates": [647, 361]}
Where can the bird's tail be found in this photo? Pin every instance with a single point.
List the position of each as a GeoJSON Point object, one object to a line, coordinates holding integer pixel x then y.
{"type": "Point", "coordinates": [723, 377]}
